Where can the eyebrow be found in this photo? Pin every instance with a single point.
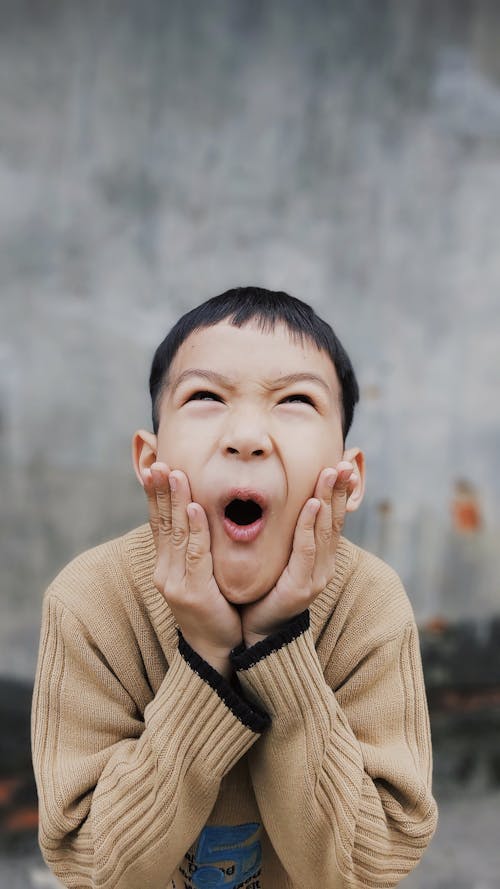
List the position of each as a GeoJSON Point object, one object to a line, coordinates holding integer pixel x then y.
{"type": "Point", "coordinates": [279, 383]}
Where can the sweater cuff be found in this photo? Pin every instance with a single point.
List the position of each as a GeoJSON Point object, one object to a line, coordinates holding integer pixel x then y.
{"type": "Point", "coordinates": [253, 716]}
{"type": "Point", "coordinates": [290, 683]}
{"type": "Point", "coordinates": [243, 658]}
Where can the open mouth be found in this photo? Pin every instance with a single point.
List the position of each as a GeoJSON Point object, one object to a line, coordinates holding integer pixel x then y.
{"type": "Point", "coordinates": [243, 519]}
{"type": "Point", "coordinates": [243, 512]}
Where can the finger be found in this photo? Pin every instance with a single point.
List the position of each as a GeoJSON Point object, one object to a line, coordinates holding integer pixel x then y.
{"type": "Point", "coordinates": [180, 496]}
{"type": "Point", "coordinates": [159, 474]}
{"type": "Point", "coordinates": [149, 490]}
{"type": "Point", "coordinates": [324, 563]}
{"type": "Point", "coordinates": [199, 566]}
{"type": "Point", "coordinates": [301, 562]}
{"type": "Point", "coordinates": [323, 492]}
{"type": "Point", "coordinates": [339, 501]}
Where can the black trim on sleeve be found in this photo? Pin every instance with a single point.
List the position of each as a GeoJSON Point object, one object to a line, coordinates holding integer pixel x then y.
{"type": "Point", "coordinates": [242, 658]}
{"type": "Point", "coordinates": [255, 719]}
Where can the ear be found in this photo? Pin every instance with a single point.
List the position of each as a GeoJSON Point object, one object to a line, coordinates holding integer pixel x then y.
{"type": "Point", "coordinates": [357, 487]}
{"type": "Point", "coordinates": [144, 450]}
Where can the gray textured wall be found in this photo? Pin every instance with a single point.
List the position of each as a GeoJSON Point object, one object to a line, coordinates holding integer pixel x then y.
{"type": "Point", "coordinates": [153, 154]}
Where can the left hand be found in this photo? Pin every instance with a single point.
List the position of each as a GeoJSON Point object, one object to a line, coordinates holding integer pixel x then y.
{"type": "Point", "coordinates": [312, 562]}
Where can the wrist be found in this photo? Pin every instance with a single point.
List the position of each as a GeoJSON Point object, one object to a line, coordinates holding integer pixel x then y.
{"type": "Point", "coordinates": [219, 662]}
{"type": "Point", "coordinates": [222, 666]}
{"type": "Point", "coordinates": [218, 659]}
{"type": "Point", "coordinates": [251, 639]}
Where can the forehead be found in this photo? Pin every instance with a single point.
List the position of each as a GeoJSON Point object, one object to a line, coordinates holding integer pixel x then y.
{"type": "Point", "coordinates": [249, 353]}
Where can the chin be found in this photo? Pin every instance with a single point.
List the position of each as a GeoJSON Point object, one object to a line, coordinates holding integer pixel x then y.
{"type": "Point", "coordinates": [242, 598]}
{"type": "Point", "coordinates": [239, 593]}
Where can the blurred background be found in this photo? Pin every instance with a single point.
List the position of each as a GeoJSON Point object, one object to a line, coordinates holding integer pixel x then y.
{"type": "Point", "coordinates": [154, 154]}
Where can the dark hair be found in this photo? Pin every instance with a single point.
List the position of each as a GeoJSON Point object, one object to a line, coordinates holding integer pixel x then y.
{"type": "Point", "coordinates": [241, 305]}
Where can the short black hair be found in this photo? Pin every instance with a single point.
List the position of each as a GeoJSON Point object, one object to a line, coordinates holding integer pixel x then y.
{"type": "Point", "coordinates": [268, 307]}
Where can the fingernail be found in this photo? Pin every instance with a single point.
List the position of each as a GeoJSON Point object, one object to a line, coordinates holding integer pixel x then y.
{"type": "Point", "coordinates": [314, 506]}
{"type": "Point", "coordinates": [172, 482]}
{"type": "Point", "coordinates": [331, 479]}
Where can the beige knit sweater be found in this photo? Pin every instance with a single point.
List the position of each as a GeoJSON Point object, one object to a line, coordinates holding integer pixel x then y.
{"type": "Point", "coordinates": [312, 770]}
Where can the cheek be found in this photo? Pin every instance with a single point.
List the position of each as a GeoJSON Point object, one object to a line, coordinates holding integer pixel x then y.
{"type": "Point", "coordinates": [177, 449]}
{"type": "Point", "coordinates": [303, 474]}
{"type": "Point", "coordinates": [185, 456]}
{"type": "Point", "coordinates": [329, 448]}
{"type": "Point", "coordinates": [314, 450]}
{"type": "Point", "coordinates": [179, 454]}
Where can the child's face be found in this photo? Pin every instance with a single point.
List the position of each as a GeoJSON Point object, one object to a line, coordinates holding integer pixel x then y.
{"type": "Point", "coordinates": [252, 431]}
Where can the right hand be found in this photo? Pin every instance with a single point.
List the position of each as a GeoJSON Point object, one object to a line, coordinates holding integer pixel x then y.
{"type": "Point", "coordinates": [184, 568]}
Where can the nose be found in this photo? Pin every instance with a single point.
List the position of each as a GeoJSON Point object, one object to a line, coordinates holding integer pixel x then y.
{"type": "Point", "coordinates": [246, 436]}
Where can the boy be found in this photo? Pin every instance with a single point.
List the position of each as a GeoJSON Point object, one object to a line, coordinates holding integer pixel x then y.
{"type": "Point", "coordinates": [232, 695]}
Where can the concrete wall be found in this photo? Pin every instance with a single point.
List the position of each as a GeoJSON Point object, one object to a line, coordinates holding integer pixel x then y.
{"type": "Point", "coordinates": [153, 154]}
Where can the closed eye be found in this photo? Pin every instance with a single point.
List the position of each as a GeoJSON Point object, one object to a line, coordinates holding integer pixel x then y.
{"type": "Point", "coordinates": [204, 395]}
{"type": "Point", "coordinates": [304, 398]}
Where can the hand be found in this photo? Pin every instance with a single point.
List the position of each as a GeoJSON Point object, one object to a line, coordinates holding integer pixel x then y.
{"type": "Point", "coordinates": [312, 561]}
{"type": "Point", "coordinates": [184, 568]}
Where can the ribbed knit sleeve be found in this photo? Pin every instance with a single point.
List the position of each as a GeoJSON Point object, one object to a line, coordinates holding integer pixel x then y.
{"type": "Point", "coordinates": [124, 793]}
{"type": "Point", "coordinates": [343, 776]}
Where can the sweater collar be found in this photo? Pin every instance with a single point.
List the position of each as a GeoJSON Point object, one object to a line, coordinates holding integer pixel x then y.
{"type": "Point", "coordinates": [142, 559]}
{"type": "Point", "coordinates": [322, 608]}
